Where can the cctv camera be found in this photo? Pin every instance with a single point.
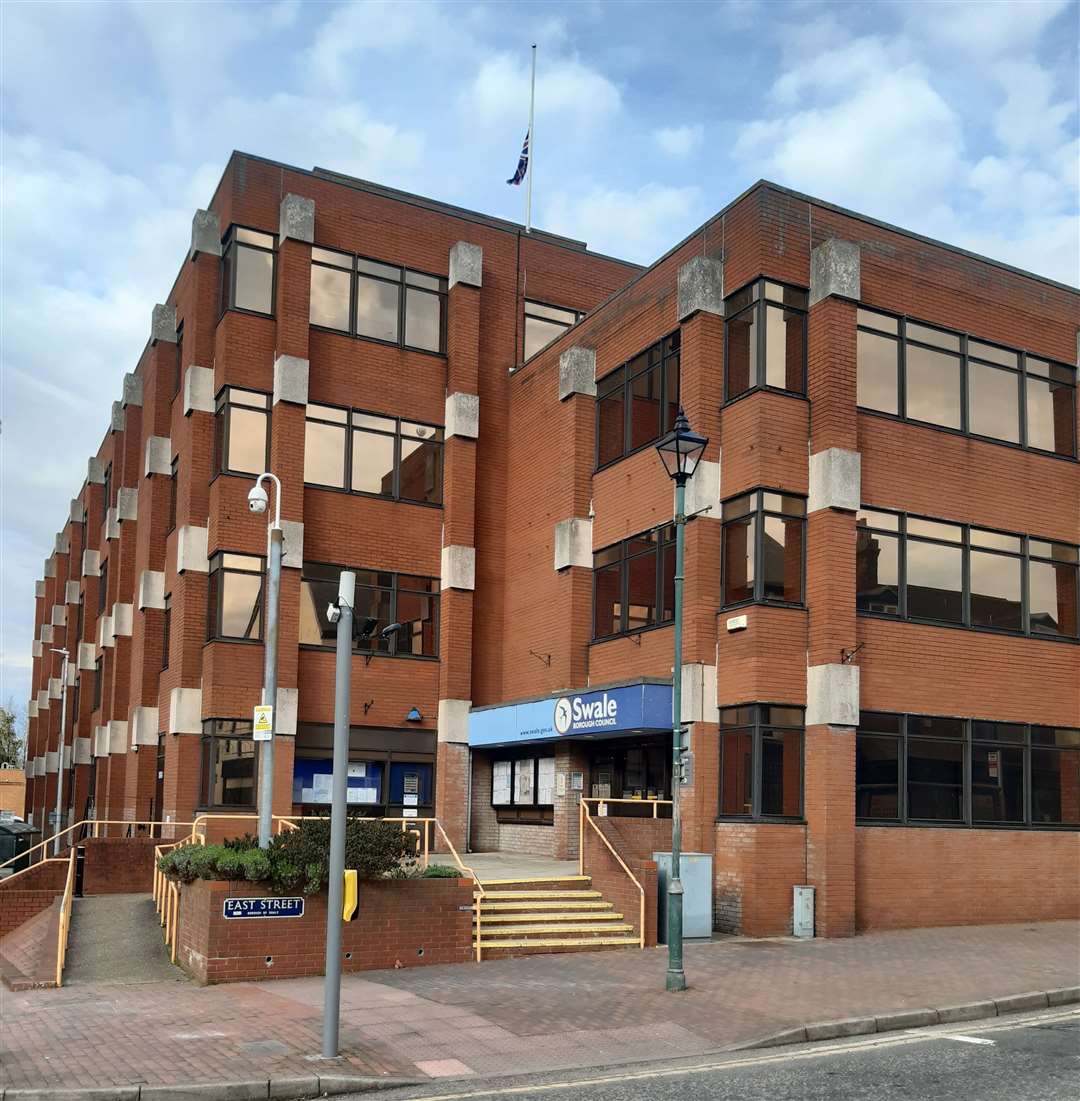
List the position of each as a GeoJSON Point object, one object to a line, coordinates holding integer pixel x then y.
{"type": "Point", "coordinates": [257, 499]}
{"type": "Point", "coordinates": [333, 613]}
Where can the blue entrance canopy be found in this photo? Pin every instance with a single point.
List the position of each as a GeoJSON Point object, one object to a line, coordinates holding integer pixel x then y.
{"type": "Point", "coordinates": [598, 713]}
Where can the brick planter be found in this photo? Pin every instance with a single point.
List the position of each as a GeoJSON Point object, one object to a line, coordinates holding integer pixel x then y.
{"type": "Point", "coordinates": [400, 923]}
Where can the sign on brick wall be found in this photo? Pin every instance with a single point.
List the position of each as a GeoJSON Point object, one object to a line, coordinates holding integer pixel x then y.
{"type": "Point", "coordinates": [263, 907]}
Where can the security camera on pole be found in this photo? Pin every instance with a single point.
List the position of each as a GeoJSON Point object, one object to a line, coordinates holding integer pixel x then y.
{"type": "Point", "coordinates": [263, 726]}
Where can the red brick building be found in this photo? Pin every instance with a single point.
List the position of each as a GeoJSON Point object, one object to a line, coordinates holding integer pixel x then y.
{"type": "Point", "coordinates": [881, 657]}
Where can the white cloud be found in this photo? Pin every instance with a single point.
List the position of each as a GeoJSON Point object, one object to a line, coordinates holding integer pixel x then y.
{"type": "Point", "coordinates": [679, 141]}
{"type": "Point", "coordinates": [1029, 119]}
{"type": "Point", "coordinates": [988, 27]}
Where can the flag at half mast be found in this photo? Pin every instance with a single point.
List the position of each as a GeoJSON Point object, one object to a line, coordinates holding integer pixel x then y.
{"type": "Point", "coordinates": [524, 172]}
{"type": "Point", "coordinates": [522, 165]}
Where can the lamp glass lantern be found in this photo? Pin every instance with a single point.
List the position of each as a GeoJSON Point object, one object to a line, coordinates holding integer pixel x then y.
{"type": "Point", "coordinates": [681, 450]}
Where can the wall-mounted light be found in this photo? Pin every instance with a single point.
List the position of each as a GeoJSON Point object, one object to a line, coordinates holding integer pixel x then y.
{"type": "Point", "coordinates": [414, 715]}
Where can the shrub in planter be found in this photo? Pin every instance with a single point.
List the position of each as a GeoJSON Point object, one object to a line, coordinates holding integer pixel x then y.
{"type": "Point", "coordinates": [441, 871]}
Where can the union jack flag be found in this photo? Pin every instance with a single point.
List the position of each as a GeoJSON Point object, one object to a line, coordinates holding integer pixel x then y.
{"type": "Point", "coordinates": [523, 164]}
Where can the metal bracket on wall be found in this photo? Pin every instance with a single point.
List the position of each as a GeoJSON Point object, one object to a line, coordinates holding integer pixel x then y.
{"type": "Point", "coordinates": [847, 655]}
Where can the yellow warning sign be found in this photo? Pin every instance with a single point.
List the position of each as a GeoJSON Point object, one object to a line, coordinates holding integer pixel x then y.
{"type": "Point", "coordinates": [263, 723]}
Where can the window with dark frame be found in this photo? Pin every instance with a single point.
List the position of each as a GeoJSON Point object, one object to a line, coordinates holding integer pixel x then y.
{"type": "Point", "coordinates": [106, 489]}
{"type": "Point", "coordinates": [543, 324]}
{"type": "Point", "coordinates": [174, 470]}
{"type": "Point", "coordinates": [761, 761]}
{"type": "Point", "coordinates": [385, 597]}
{"type": "Point", "coordinates": [634, 584]}
{"type": "Point", "coordinates": [366, 298]}
{"type": "Point", "coordinates": [638, 401]}
{"type": "Point", "coordinates": [934, 571]}
{"type": "Point", "coordinates": [234, 598]}
{"type": "Point", "coordinates": [923, 770]}
{"type": "Point", "coordinates": [247, 271]}
{"type": "Point", "coordinates": [523, 788]}
{"type": "Point", "coordinates": [166, 627]}
{"type": "Point", "coordinates": [921, 373]}
{"type": "Point", "coordinates": [103, 586]}
{"type": "Point", "coordinates": [229, 760]}
{"type": "Point", "coordinates": [241, 431]}
{"type": "Point", "coordinates": [178, 363]}
{"type": "Point", "coordinates": [763, 536]}
{"type": "Point", "coordinates": [765, 339]}
{"type": "Point", "coordinates": [98, 684]}
{"type": "Point", "coordinates": [373, 454]}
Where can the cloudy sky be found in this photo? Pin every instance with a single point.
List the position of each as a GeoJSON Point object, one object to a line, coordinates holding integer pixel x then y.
{"type": "Point", "coordinates": [958, 120]}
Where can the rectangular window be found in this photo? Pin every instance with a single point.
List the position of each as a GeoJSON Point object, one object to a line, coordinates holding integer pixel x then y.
{"type": "Point", "coordinates": [544, 323]}
{"type": "Point", "coordinates": [366, 298]}
{"type": "Point", "coordinates": [235, 597]}
{"type": "Point", "coordinates": [931, 570]}
{"type": "Point", "coordinates": [241, 431]}
{"type": "Point", "coordinates": [633, 583]}
{"type": "Point", "coordinates": [920, 770]}
{"type": "Point", "coordinates": [228, 764]}
{"type": "Point", "coordinates": [178, 363]}
{"type": "Point", "coordinates": [247, 271]}
{"type": "Point", "coordinates": [761, 761]}
{"type": "Point", "coordinates": [763, 539]}
{"type": "Point", "coordinates": [98, 684]}
{"type": "Point", "coordinates": [523, 789]}
{"type": "Point", "coordinates": [107, 489]}
{"type": "Point", "coordinates": [921, 373]}
{"type": "Point", "coordinates": [166, 630]}
{"type": "Point", "coordinates": [637, 402]}
{"type": "Point", "coordinates": [174, 470]}
{"type": "Point", "coordinates": [765, 339]}
{"type": "Point", "coordinates": [103, 586]}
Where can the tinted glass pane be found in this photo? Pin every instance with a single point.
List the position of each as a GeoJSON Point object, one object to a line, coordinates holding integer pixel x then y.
{"type": "Point", "coordinates": [1055, 786]}
{"type": "Point", "coordinates": [428, 282]}
{"type": "Point", "coordinates": [993, 354]}
{"type": "Point", "coordinates": [1059, 552]}
{"type": "Point", "coordinates": [935, 726]}
{"type": "Point", "coordinates": [419, 631]}
{"type": "Point", "coordinates": [740, 335]}
{"type": "Point", "coordinates": [328, 256]}
{"type": "Point", "coordinates": [877, 372]}
{"type": "Point", "coordinates": [236, 396]}
{"type": "Point", "coordinates": [997, 784]}
{"type": "Point", "coordinates": [539, 333]}
{"type": "Point", "coordinates": [324, 454]}
{"type": "Point", "coordinates": [671, 387]}
{"type": "Point", "coordinates": [1052, 598]}
{"type": "Point", "coordinates": [377, 309]}
{"type": "Point", "coordinates": [782, 559]}
{"type": "Point", "coordinates": [997, 732]}
{"type": "Point", "coordinates": [932, 529]}
{"type": "Point", "coordinates": [993, 402]}
{"type": "Point", "coordinates": [875, 320]}
{"type": "Point", "coordinates": [937, 337]}
{"type": "Point", "coordinates": [421, 471]}
{"type": "Point", "coordinates": [935, 780]}
{"type": "Point", "coordinates": [995, 591]}
{"type": "Point", "coordinates": [667, 581]}
{"type": "Point", "coordinates": [933, 387]}
{"type": "Point", "coordinates": [646, 399]}
{"type": "Point", "coordinates": [330, 289]}
{"type": "Point", "coordinates": [550, 313]}
{"type": "Point", "coordinates": [610, 427]}
{"type": "Point", "coordinates": [1050, 416]}
{"type": "Point", "coordinates": [372, 603]}
{"type": "Point", "coordinates": [739, 506]}
{"type": "Point", "coordinates": [785, 348]}
{"type": "Point", "coordinates": [254, 280]}
{"type": "Point", "coordinates": [384, 271]}
{"type": "Point", "coordinates": [373, 463]}
{"type": "Point", "coordinates": [869, 518]}
{"type": "Point", "coordinates": [1061, 736]}
{"type": "Point", "coordinates": [877, 777]}
{"type": "Point", "coordinates": [241, 605]}
{"type": "Point", "coordinates": [254, 237]}
{"type": "Point", "coordinates": [883, 721]}
{"type": "Point", "coordinates": [641, 595]}
{"type": "Point", "coordinates": [607, 601]}
{"type": "Point", "coordinates": [739, 560]}
{"type": "Point", "coordinates": [981, 538]}
{"type": "Point", "coordinates": [423, 325]}
{"type": "Point", "coordinates": [781, 773]}
{"type": "Point", "coordinates": [877, 572]}
{"type": "Point", "coordinates": [231, 769]}
{"type": "Point", "coordinates": [247, 440]}
{"type": "Point", "coordinates": [736, 773]}
{"type": "Point", "coordinates": [934, 581]}
{"type": "Point", "coordinates": [315, 597]}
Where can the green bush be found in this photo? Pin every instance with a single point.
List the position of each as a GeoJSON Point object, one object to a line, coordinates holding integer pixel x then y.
{"type": "Point", "coordinates": [441, 871]}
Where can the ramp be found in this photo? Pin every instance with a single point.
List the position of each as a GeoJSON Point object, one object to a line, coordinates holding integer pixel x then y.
{"type": "Point", "coordinates": [117, 939]}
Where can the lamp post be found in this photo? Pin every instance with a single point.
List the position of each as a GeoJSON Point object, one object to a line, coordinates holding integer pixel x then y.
{"type": "Point", "coordinates": [60, 752]}
{"type": "Point", "coordinates": [258, 500]}
{"type": "Point", "coordinates": [680, 451]}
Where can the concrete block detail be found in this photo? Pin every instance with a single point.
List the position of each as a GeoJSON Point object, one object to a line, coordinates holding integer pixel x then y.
{"type": "Point", "coordinates": [198, 390]}
{"type": "Point", "coordinates": [292, 544]}
{"type": "Point", "coordinates": [205, 234]}
{"type": "Point", "coordinates": [577, 372]}
{"type": "Point", "coordinates": [699, 693]}
{"type": "Point", "coordinates": [454, 721]}
{"type": "Point", "coordinates": [291, 379]}
{"type": "Point", "coordinates": [191, 549]}
{"type": "Point", "coordinates": [158, 456]}
{"type": "Point", "coordinates": [71, 675]}
{"type": "Point", "coordinates": [144, 726]}
{"type": "Point", "coordinates": [39, 590]}
{"type": "Point", "coordinates": [62, 544]}
{"type": "Point", "coordinates": [835, 270]}
{"type": "Point", "coordinates": [76, 511]}
{"type": "Point", "coordinates": [95, 471]}
{"type": "Point", "coordinates": [185, 711]}
{"type": "Point", "coordinates": [163, 323]}
{"type": "Point", "coordinates": [66, 758]}
{"type": "Point", "coordinates": [151, 590]}
{"type": "Point", "coordinates": [52, 761]}
{"type": "Point", "coordinates": [122, 618]}
{"type": "Point", "coordinates": [133, 390]}
{"type": "Point", "coordinates": [56, 688]}
{"type": "Point", "coordinates": [91, 563]}
{"type": "Point", "coordinates": [111, 527]}
{"type": "Point", "coordinates": [31, 707]}
{"type": "Point", "coordinates": [462, 416]}
{"type": "Point", "coordinates": [105, 634]}
{"type": "Point", "coordinates": [835, 480]}
{"type": "Point", "coordinates": [101, 741]}
{"type": "Point", "coordinates": [297, 220]}
{"type": "Point", "coordinates": [85, 656]}
{"type": "Point", "coordinates": [573, 543]}
{"type": "Point", "coordinates": [832, 695]}
{"type": "Point", "coordinates": [285, 711]}
{"type": "Point", "coordinates": [118, 736]}
{"type": "Point", "coordinates": [703, 491]}
{"type": "Point", "coordinates": [59, 615]}
{"type": "Point", "coordinates": [72, 592]}
{"type": "Point", "coordinates": [127, 503]}
{"type": "Point", "coordinates": [47, 633]}
{"type": "Point", "coordinates": [466, 264]}
{"type": "Point", "coordinates": [116, 420]}
{"type": "Point", "coordinates": [42, 700]}
{"type": "Point", "coordinates": [701, 287]}
{"type": "Point", "coordinates": [50, 567]}
{"type": "Point", "coordinates": [36, 649]}
{"type": "Point", "coordinates": [39, 766]}
{"type": "Point", "coordinates": [82, 754]}
{"type": "Point", "coordinates": [458, 568]}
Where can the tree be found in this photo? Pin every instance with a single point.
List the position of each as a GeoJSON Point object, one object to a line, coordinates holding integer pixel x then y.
{"type": "Point", "coordinates": [11, 743]}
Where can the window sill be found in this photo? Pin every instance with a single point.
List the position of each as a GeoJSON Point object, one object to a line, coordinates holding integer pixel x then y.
{"type": "Point", "coordinates": [727, 402]}
{"type": "Point", "coordinates": [375, 340]}
{"type": "Point", "coordinates": [247, 313]}
{"type": "Point", "coordinates": [797, 605]}
{"type": "Point", "coordinates": [372, 496]}
{"type": "Point", "coordinates": [234, 641]}
{"type": "Point", "coordinates": [998, 632]}
{"type": "Point", "coordinates": [761, 820]}
{"type": "Point", "coordinates": [638, 631]}
{"type": "Point", "coordinates": [314, 648]}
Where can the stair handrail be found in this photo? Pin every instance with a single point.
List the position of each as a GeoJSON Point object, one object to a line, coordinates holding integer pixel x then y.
{"type": "Point", "coordinates": [64, 927]}
{"type": "Point", "coordinates": [655, 803]}
{"type": "Point", "coordinates": [584, 816]}
{"type": "Point", "coordinates": [96, 823]}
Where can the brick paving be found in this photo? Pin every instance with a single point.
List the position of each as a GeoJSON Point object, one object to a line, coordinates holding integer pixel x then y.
{"type": "Point", "coordinates": [517, 1016]}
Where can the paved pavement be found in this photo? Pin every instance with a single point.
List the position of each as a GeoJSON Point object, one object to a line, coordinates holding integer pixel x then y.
{"type": "Point", "coordinates": [532, 1015]}
{"type": "Point", "coordinates": [117, 939]}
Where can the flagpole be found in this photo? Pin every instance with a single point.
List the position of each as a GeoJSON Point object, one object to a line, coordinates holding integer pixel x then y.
{"type": "Point", "coordinates": [532, 147]}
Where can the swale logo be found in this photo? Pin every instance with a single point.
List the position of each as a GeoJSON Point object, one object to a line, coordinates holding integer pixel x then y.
{"type": "Point", "coordinates": [574, 713]}
{"type": "Point", "coordinates": [563, 715]}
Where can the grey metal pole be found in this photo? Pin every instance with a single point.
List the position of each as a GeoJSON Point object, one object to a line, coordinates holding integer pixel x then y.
{"type": "Point", "coordinates": [269, 695]}
{"type": "Point", "coordinates": [342, 672]}
{"type": "Point", "coordinates": [676, 977]}
{"type": "Point", "coordinates": [60, 755]}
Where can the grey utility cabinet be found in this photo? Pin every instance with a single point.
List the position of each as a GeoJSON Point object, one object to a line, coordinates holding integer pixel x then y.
{"type": "Point", "coordinates": [695, 870]}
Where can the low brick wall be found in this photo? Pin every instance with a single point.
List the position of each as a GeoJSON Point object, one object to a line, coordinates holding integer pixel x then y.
{"type": "Point", "coordinates": [613, 883]}
{"type": "Point", "coordinates": [400, 923]}
{"type": "Point", "coordinates": [25, 895]}
{"type": "Point", "coordinates": [119, 865]}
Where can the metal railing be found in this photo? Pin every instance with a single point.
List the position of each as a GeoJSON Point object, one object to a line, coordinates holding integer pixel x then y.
{"type": "Point", "coordinates": [167, 893]}
{"type": "Point", "coordinates": [65, 918]}
{"type": "Point", "coordinates": [656, 804]}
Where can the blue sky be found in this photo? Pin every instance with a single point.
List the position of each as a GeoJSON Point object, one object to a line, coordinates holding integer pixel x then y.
{"type": "Point", "coordinates": [958, 120]}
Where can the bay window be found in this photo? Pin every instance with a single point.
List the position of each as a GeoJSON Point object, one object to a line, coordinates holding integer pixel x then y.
{"type": "Point", "coordinates": [247, 271]}
{"type": "Point", "coordinates": [763, 537]}
{"type": "Point", "coordinates": [761, 761]}
{"type": "Point", "coordinates": [765, 339]}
